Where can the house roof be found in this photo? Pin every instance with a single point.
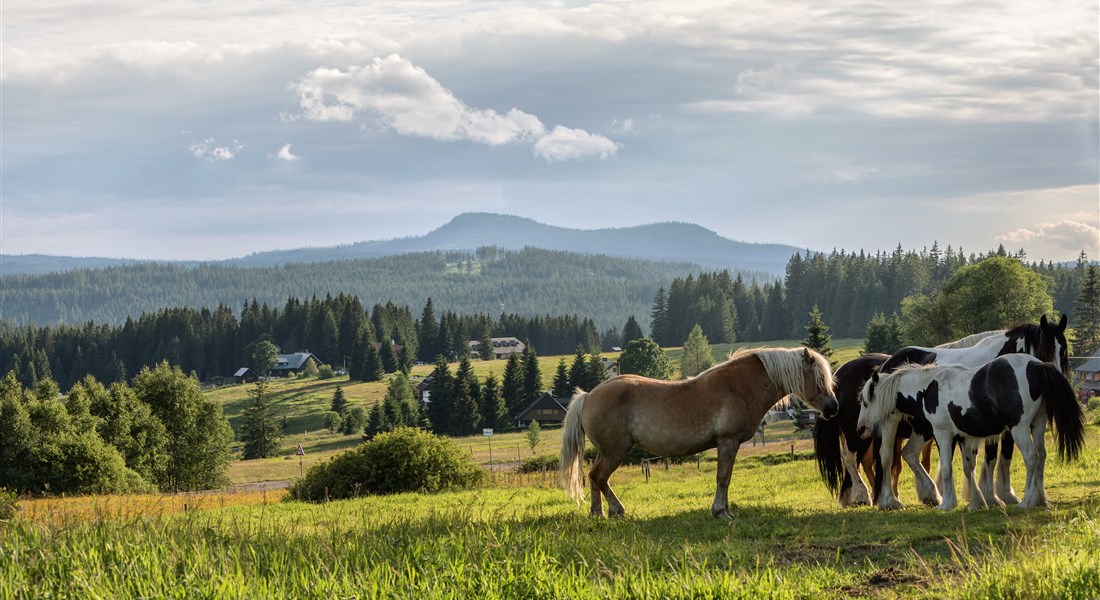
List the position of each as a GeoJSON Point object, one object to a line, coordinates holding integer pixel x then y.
{"type": "Point", "coordinates": [241, 372]}
{"type": "Point", "coordinates": [293, 361]}
{"type": "Point", "coordinates": [546, 400]}
{"type": "Point", "coordinates": [502, 345]}
{"type": "Point", "coordinates": [1091, 365]}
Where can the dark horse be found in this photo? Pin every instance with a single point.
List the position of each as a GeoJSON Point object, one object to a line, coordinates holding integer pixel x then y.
{"type": "Point", "coordinates": [840, 452]}
{"type": "Point", "coordinates": [721, 407]}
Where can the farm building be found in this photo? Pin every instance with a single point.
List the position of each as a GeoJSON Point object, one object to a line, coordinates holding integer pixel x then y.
{"type": "Point", "coordinates": [502, 346]}
{"type": "Point", "coordinates": [244, 375]}
{"type": "Point", "coordinates": [1087, 376]}
{"type": "Point", "coordinates": [287, 365]}
{"type": "Point", "coordinates": [544, 409]}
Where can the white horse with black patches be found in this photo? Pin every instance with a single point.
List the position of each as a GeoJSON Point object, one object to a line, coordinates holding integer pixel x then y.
{"type": "Point", "coordinates": [1015, 393]}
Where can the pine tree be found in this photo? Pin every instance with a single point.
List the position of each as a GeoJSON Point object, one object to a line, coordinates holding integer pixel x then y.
{"type": "Point", "coordinates": [631, 331]}
{"type": "Point", "coordinates": [494, 413]}
{"type": "Point", "coordinates": [375, 421]}
{"type": "Point", "coordinates": [578, 371]}
{"type": "Point", "coordinates": [428, 334]}
{"type": "Point", "coordinates": [561, 380]}
{"type": "Point", "coordinates": [485, 350]}
{"type": "Point", "coordinates": [1086, 314]}
{"type": "Point", "coordinates": [400, 403]}
{"type": "Point", "coordinates": [339, 401]}
{"type": "Point", "coordinates": [817, 334]}
{"type": "Point", "coordinates": [696, 357]}
{"type": "Point", "coordinates": [388, 356]}
{"type": "Point", "coordinates": [464, 414]}
{"type": "Point", "coordinates": [512, 386]}
{"type": "Point", "coordinates": [878, 336]}
{"type": "Point", "coordinates": [260, 430]}
{"type": "Point", "coordinates": [659, 320]}
{"type": "Point", "coordinates": [532, 376]}
{"type": "Point", "coordinates": [440, 397]}
{"type": "Point", "coordinates": [594, 373]}
{"type": "Point", "coordinates": [465, 375]}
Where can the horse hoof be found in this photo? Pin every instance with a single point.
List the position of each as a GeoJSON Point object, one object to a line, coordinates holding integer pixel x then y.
{"type": "Point", "coordinates": [722, 515]}
{"type": "Point", "coordinates": [891, 505]}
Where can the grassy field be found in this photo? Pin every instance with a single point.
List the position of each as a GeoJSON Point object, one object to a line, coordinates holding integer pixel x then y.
{"type": "Point", "coordinates": [788, 539]}
{"type": "Point", "coordinates": [303, 401]}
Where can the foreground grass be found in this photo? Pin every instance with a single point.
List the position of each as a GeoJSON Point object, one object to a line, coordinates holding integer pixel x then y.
{"type": "Point", "coordinates": [787, 540]}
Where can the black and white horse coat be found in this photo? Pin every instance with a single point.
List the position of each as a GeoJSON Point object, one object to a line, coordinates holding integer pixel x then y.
{"type": "Point", "coordinates": [839, 462]}
{"type": "Point", "coordinates": [1015, 393]}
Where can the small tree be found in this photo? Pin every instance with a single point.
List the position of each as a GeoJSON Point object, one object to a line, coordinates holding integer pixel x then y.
{"type": "Point", "coordinates": [631, 331]}
{"type": "Point", "coordinates": [260, 428]}
{"type": "Point", "coordinates": [309, 369]}
{"type": "Point", "coordinates": [485, 342]}
{"type": "Point", "coordinates": [493, 411]}
{"type": "Point", "coordinates": [339, 401]}
{"type": "Point", "coordinates": [354, 420]}
{"type": "Point", "coordinates": [696, 357]}
{"type": "Point", "coordinates": [644, 357]}
{"type": "Point", "coordinates": [264, 356]}
{"type": "Point", "coordinates": [561, 380]}
{"type": "Point", "coordinates": [376, 421]}
{"type": "Point", "coordinates": [331, 421]}
{"type": "Point", "coordinates": [532, 375]}
{"type": "Point", "coordinates": [534, 434]}
{"type": "Point", "coordinates": [817, 334]}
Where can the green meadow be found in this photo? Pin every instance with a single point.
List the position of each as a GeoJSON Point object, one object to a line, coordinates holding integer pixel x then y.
{"type": "Point", "coordinates": [788, 539]}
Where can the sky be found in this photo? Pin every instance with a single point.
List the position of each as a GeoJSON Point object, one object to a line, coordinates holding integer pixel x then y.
{"type": "Point", "coordinates": [208, 130]}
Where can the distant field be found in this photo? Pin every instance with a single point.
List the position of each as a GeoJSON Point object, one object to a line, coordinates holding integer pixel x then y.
{"type": "Point", "coordinates": [788, 539]}
{"type": "Point", "coordinates": [305, 400]}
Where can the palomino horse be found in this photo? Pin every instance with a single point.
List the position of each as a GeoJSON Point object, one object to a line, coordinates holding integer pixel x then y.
{"type": "Point", "coordinates": [721, 407]}
{"type": "Point", "coordinates": [1016, 393]}
{"type": "Point", "coordinates": [839, 452]}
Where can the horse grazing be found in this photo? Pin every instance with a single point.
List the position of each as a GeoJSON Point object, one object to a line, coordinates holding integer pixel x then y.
{"type": "Point", "coordinates": [721, 407]}
{"type": "Point", "coordinates": [1016, 393]}
{"type": "Point", "coordinates": [839, 451]}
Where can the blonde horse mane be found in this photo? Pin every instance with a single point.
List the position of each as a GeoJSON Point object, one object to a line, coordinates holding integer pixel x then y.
{"type": "Point", "coordinates": [970, 341]}
{"type": "Point", "coordinates": [784, 367]}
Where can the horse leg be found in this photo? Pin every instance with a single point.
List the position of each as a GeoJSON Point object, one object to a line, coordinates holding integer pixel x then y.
{"type": "Point", "coordinates": [944, 439]}
{"type": "Point", "coordinates": [887, 500]}
{"type": "Point", "coordinates": [926, 488]}
{"type": "Point", "coordinates": [1031, 463]}
{"type": "Point", "coordinates": [1004, 469]}
{"type": "Point", "coordinates": [989, 464]}
{"type": "Point", "coordinates": [727, 453]}
{"type": "Point", "coordinates": [605, 465]}
{"type": "Point", "coordinates": [895, 468]}
{"type": "Point", "coordinates": [1038, 433]}
{"type": "Point", "coordinates": [867, 460]}
{"type": "Point", "coordinates": [853, 491]}
{"type": "Point", "coordinates": [970, 460]}
{"type": "Point", "coordinates": [596, 486]}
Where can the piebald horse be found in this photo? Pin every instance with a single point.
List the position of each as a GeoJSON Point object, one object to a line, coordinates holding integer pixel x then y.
{"type": "Point", "coordinates": [1014, 393]}
{"type": "Point", "coordinates": [721, 407]}
{"type": "Point", "coordinates": [839, 462]}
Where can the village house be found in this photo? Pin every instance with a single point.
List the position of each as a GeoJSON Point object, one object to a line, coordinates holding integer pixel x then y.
{"type": "Point", "coordinates": [546, 409]}
{"type": "Point", "coordinates": [1087, 376]}
{"type": "Point", "coordinates": [288, 365]}
{"type": "Point", "coordinates": [502, 347]}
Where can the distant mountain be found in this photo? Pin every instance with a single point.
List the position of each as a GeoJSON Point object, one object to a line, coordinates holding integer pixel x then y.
{"type": "Point", "coordinates": [660, 241]}
{"type": "Point", "coordinates": [677, 242]}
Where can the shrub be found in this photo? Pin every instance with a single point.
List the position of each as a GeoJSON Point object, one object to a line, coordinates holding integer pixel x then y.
{"type": "Point", "coordinates": [1094, 402]}
{"type": "Point", "coordinates": [331, 421]}
{"type": "Point", "coordinates": [536, 464]}
{"type": "Point", "coordinates": [404, 460]}
{"type": "Point", "coordinates": [8, 506]}
{"type": "Point", "coordinates": [325, 372]}
{"type": "Point", "coordinates": [354, 421]}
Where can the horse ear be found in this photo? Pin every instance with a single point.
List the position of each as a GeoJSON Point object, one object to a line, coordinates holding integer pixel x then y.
{"type": "Point", "coordinates": [1063, 322]}
{"type": "Point", "coordinates": [807, 356]}
{"type": "Point", "coordinates": [1043, 322]}
{"type": "Point", "coordinates": [874, 375]}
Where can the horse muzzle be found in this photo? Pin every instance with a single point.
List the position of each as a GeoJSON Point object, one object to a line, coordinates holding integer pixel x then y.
{"type": "Point", "coordinates": [864, 431]}
{"type": "Point", "coordinates": [831, 408]}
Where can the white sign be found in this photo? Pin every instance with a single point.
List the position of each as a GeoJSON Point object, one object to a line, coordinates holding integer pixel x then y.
{"type": "Point", "coordinates": [301, 451]}
{"type": "Point", "coordinates": [486, 432]}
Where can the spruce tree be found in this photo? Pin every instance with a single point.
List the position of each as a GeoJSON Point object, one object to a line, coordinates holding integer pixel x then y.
{"type": "Point", "coordinates": [1086, 314]}
{"type": "Point", "coordinates": [494, 413]}
{"type": "Point", "coordinates": [372, 364]}
{"type": "Point", "coordinates": [578, 371]}
{"type": "Point", "coordinates": [659, 319]}
{"type": "Point", "coordinates": [464, 413]}
{"type": "Point", "coordinates": [428, 334]}
{"type": "Point", "coordinates": [440, 397]}
{"type": "Point", "coordinates": [696, 357]}
{"type": "Point", "coordinates": [339, 401]}
{"type": "Point", "coordinates": [817, 334]}
{"type": "Point", "coordinates": [465, 374]}
{"type": "Point", "coordinates": [485, 350]}
{"type": "Point", "coordinates": [260, 430]}
{"type": "Point", "coordinates": [878, 335]}
{"type": "Point", "coordinates": [595, 372]}
{"type": "Point", "coordinates": [512, 385]}
{"type": "Point", "coordinates": [631, 331]}
{"type": "Point", "coordinates": [561, 380]}
{"type": "Point", "coordinates": [388, 356]}
{"type": "Point", "coordinates": [399, 401]}
{"type": "Point", "coordinates": [532, 375]}
{"type": "Point", "coordinates": [375, 421]}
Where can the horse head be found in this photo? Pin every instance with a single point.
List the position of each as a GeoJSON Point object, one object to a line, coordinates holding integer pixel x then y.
{"type": "Point", "coordinates": [817, 384]}
{"type": "Point", "coordinates": [1052, 344]}
{"type": "Point", "coordinates": [869, 416]}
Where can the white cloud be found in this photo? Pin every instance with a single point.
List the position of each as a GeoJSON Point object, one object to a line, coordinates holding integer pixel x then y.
{"type": "Point", "coordinates": [408, 100]}
{"type": "Point", "coordinates": [285, 154]}
{"type": "Point", "coordinates": [1070, 235]}
{"type": "Point", "coordinates": [564, 143]}
{"type": "Point", "coordinates": [209, 150]}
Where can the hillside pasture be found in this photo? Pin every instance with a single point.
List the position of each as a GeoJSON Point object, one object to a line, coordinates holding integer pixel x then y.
{"type": "Point", "coordinates": [788, 539]}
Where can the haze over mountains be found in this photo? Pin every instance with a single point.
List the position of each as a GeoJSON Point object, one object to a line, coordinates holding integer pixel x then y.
{"type": "Point", "coordinates": [670, 241]}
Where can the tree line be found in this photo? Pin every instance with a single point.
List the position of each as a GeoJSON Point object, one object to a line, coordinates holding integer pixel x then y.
{"type": "Point", "coordinates": [849, 289]}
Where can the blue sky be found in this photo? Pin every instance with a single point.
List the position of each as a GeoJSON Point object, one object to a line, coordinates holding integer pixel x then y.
{"type": "Point", "coordinates": [209, 130]}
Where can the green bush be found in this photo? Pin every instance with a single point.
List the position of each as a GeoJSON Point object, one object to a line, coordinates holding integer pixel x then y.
{"type": "Point", "coordinates": [8, 506]}
{"type": "Point", "coordinates": [536, 464]}
{"type": "Point", "coordinates": [331, 421]}
{"type": "Point", "coordinates": [325, 372]}
{"type": "Point", "coordinates": [404, 460]}
{"type": "Point", "coordinates": [1094, 402]}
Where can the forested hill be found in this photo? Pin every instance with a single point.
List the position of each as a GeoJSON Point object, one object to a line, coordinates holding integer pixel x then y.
{"type": "Point", "coordinates": [660, 241]}
{"type": "Point", "coordinates": [676, 242]}
{"type": "Point", "coordinates": [527, 282]}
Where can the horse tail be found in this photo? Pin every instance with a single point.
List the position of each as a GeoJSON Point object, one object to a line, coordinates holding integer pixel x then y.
{"type": "Point", "coordinates": [572, 448]}
{"type": "Point", "coordinates": [1062, 406]}
{"type": "Point", "coordinates": [827, 452]}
